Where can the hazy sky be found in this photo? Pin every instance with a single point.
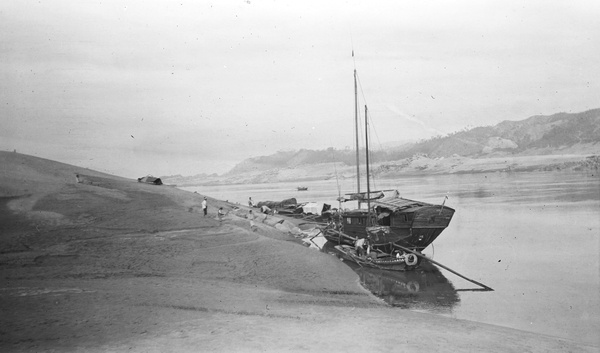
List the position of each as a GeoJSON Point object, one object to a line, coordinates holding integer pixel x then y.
{"type": "Point", "coordinates": [185, 87]}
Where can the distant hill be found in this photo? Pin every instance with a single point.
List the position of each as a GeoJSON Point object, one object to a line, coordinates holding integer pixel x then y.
{"type": "Point", "coordinates": [576, 135]}
{"type": "Point", "coordinates": [535, 135]}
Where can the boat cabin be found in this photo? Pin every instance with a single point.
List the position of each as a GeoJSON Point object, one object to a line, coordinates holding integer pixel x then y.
{"type": "Point", "coordinates": [406, 222]}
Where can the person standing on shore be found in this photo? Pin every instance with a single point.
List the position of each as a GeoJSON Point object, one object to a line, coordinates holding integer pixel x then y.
{"type": "Point", "coordinates": [204, 207]}
{"type": "Point", "coordinates": [250, 202]}
{"type": "Point", "coordinates": [250, 216]}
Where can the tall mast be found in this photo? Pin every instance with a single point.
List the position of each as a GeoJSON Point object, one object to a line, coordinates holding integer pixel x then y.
{"type": "Point", "coordinates": [356, 133]}
{"type": "Point", "coordinates": [367, 162]}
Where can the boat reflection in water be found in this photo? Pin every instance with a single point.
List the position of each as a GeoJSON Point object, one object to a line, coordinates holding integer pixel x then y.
{"type": "Point", "coordinates": [423, 289]}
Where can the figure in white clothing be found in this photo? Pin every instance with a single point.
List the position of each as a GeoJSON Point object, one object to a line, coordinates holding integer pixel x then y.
{"type": "Point", "coordinates": [250, 216]}
{"type": "Point", "coordinates": [204, 207]}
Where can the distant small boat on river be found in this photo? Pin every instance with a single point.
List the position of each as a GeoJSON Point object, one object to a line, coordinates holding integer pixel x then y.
{"type": "Point", "coordinates": [302, 188]}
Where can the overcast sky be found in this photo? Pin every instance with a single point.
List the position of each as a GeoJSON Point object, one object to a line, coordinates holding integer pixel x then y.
{"type": "Point", "coordinates": [185, 87]}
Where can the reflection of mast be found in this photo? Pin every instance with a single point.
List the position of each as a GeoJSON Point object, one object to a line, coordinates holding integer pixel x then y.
{"type": "Point", "coordinates": [369, 220]}
{"type": "Point", "coordinates": [356, 133]}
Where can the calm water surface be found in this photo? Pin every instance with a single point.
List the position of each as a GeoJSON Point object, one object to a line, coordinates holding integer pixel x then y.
{"type": "Point", "coordinates": [533, 237]}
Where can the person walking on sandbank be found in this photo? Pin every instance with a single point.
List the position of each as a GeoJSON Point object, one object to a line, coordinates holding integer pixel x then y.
{"type": "Point", "coordinates": [250, 217]}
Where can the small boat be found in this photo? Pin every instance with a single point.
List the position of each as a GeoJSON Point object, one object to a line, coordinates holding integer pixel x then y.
{"type": "Point", "coordinates": [149, 179]}
{"type": "Point", "coordinates": [302, 188]}
{"type": "Point", "coordinates": [396, 261]}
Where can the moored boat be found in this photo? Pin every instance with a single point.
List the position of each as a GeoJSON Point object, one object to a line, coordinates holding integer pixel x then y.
{"type": "Point", "coordinates": [397, 221]}
{"type": "Point", "coordinates": [396, 227]}
{"type": "Point", "coordinates": [378, 259]}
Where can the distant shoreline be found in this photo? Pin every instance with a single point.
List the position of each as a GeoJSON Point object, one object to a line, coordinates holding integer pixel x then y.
{"type": "Point", "coordinates": [411, 167]}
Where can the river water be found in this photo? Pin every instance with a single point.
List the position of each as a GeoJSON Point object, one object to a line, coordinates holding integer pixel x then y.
{"type": "Point", "coordinates": [532, 237]}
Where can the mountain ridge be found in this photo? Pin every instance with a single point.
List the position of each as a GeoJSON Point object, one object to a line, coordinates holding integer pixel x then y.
{"type": "Point", "coordinates": [573, 135]}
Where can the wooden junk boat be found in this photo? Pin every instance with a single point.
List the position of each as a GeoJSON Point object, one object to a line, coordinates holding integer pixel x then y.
{"type": "Point", "coordinates": [396, 229]}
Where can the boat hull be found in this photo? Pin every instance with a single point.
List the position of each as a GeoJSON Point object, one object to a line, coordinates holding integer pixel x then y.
{"type": "Point", "coordinates": [415, 229]}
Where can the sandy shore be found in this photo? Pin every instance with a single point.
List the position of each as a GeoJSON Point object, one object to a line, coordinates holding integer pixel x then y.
{"type": "Point", "coordinates": [109, 264]}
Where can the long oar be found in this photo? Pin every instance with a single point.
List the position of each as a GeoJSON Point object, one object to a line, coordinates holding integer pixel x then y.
{"type": "Point", "coordinates": [316, 235]}
{"type": "Point", "coordinates": [442, 266]}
